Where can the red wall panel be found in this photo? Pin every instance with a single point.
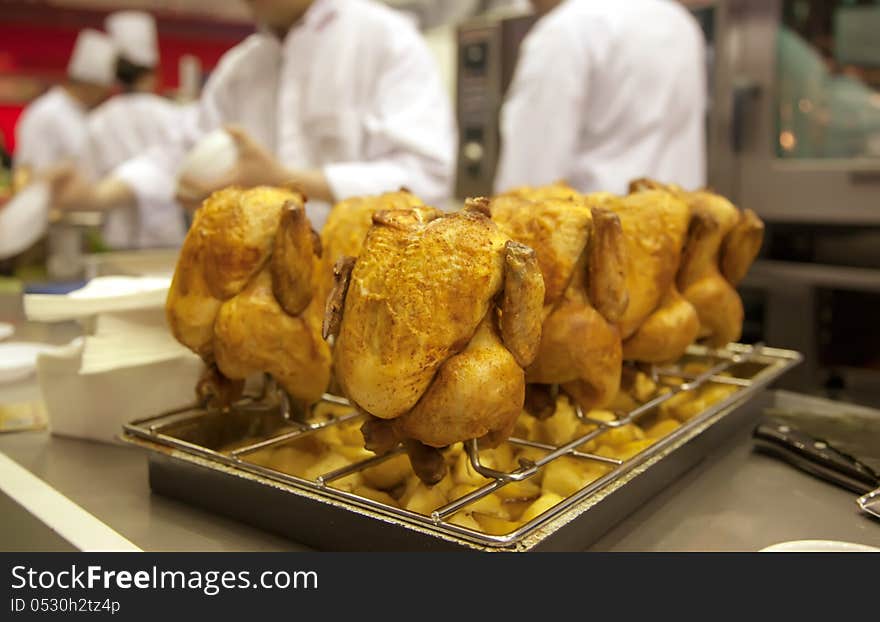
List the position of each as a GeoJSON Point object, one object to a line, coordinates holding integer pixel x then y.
{"type": "Point", "coordinates": [36, 41]}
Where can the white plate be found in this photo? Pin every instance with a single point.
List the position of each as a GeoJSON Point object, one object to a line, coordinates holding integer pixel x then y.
{"type": "Point", "coordinates": [24, 219]}
{"type": "Point", "coordinates": [103, 294]}
{"type": "Point", "coordinates": [18, 360]}
{"type": "Point", "coordinates": [6, 330]}
{"type": "Point", "coordinates": [819, 546]}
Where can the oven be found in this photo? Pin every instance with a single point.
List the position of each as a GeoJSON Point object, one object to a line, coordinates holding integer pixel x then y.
{"type": "Point", "coordinates": [794, 133]}
{"type": "Point", "coordinates": [487, 53]}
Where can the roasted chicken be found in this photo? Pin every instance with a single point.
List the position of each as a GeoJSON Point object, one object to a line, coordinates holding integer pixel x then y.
{"type": "Point", "coordinates": [581, 255]}
{"type": "Point", "coordinates": [243, 298]}
{"type": "Point", "coordinates": [665, 335]}
{"type": "Point", "coordinates": [721, 244]}
{"type": "Point", "coordinates": [659, 324]}
{"type": "Point", "coordinates": [433, 324]}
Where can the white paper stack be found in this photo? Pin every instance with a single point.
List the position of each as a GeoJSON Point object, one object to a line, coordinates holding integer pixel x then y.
{"type": "Point", "coordinates": [127, 339]}
{"type": "Point", "coordinates": [130, 367]}
{"type": "Point", "coordinates": [96, 405]}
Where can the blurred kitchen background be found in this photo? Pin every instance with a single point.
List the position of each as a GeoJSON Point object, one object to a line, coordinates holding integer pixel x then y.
{"type": "Point", "coordinates": [793, 133]}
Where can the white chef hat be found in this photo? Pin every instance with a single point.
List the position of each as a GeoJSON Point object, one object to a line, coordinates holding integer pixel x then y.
{"type": "Point", "coordinates": [93, 59]}
{"type": "Point", "coordinates": [134, 33]}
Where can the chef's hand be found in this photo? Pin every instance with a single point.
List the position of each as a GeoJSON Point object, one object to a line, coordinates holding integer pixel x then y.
{"type": "Point", "coordinates": [255, 167]}
{"type": "Point", "coordinates": [70, 191]}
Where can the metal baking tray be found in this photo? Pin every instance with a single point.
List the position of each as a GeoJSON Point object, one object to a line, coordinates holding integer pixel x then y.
{"type": "Point", "coordinates": [207, 458]}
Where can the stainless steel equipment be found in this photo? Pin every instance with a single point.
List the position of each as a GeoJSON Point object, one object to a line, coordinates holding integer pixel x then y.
{"type": "Point", "coordinates": [487, 53]}
{"type": "Point", "coordinates": [795, 126]}
{"type": "Point", "coordinates": [870, 503]}
{"type": "Point", "coordinates": [210, 459]}
{"type": "Point", "coordinates": [795, 135]}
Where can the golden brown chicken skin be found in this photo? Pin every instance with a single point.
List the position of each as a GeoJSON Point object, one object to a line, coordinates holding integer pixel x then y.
{"type": "Point", "coordinates": [348, 223]}
{"type": "Point", "coordinates": [666, 334]}
{"type": "Point", "coordinates": [242, 296]}
{"type": "Point", "coordinates": [741, 247]}
{"type": "Point", "coordinates": [421, 342]}
{"type": "Point", "coordinates": [581, 255]}
{"type": "Point", "coordinates": [659, 324]}
{"type": "Point", "coordinates": [720, 246]}
{"type": "Point", "coordinates": [654, 224]}
{"type": "Point", "coordinates": [718, 305]}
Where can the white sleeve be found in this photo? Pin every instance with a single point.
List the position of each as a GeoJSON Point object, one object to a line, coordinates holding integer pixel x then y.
{"type": "Point", "coordinates": [35, 144]}
{"type": "Point", "coordinates": [410, 130]}
{"type": "Point", "coordinates": [541, 116]}
{"type": "Point", "coordinates": [99, 149]}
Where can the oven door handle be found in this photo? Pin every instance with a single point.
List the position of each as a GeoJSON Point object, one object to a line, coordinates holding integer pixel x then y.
{"type": "Point", "coordinates": [745, 92]}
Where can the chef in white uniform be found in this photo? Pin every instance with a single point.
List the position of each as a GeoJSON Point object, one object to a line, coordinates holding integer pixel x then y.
{"type": "Point", "coordinates": [606, 91]}
{"type": "Point", "coordinates": [340, 97]}
{"type": "Point", "coordinates": [52, 129]}
{"type": "Point", "coordinates": [127, 125]}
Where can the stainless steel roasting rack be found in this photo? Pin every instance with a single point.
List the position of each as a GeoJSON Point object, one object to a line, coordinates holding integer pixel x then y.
{"type": "Point", "coordinates": [225, 443]}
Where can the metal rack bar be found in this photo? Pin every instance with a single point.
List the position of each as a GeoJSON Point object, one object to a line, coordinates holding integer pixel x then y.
{"type": "Point", "coordinates": [326, 478]}
{"type": "Point", "coordinates": [454, 506]}
{"type": "Point", "coordinates": [738, 382]}
{"type": "Point", "coordinates": [574, 453]}
{"type": "Point", "coordinates": [472, 449]}
{"type": "Point", "coordinates": [335, 399]}
{"type": "Point", "coordinates": [139, 423]}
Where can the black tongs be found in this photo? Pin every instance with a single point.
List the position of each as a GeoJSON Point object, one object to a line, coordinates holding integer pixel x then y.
{"type": "Point", "coordinates": [815, 456]}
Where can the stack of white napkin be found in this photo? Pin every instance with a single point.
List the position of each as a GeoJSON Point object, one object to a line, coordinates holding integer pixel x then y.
{"type": "Point", "coordinates": [130, 327]}
{"type": "Point", "coordinates": [129, 339]}
{"type": "Point", "coordinates": [129, 367]}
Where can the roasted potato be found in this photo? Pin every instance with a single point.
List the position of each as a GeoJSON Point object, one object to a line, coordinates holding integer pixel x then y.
{"type": "Point", "coordinates": [466, 520]}
{"type": "Point", "coordinates": [516, 491]}
{"type": "Point", "coordinates": [562, 477]}
{"type": "Point", "coordinates": [423, 499]}
{"type": "Point", "coordinates": [643, 388]}
{"type": "Point", "coordinates": [490, 504]}
{"type": "Point", "coordinates": [494, 525]}
{"type": "Point", "coordinates": [662, 428]}
{"type": "Point", "coordinates": [540, 505]}
{"type": "Point", "coordinates": [388, 474]}
{"type": "Point", "coordinates": [633, 448]}
{"type": "Point", "coordinates": [375, 495]}
{"type": "Point", "coordinates": [713, 393]}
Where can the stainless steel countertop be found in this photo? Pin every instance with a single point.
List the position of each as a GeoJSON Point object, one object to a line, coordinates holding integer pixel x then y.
{"type": "Point", "coordinates": [734, 500]}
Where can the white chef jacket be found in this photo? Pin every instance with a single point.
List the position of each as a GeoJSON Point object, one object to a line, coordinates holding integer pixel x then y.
{"type": "Point", "coordinates": [352, 90]}
{"type": "Point", "coordinates": [52, 130]}
{"type": "Point", "coordinates": [606, 91]}
{"type": "Point", "coordinates": [125, 127]}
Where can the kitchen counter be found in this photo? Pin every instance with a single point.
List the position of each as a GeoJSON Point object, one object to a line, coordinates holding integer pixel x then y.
{"type": "Point", "coordinates": [734, 500]}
